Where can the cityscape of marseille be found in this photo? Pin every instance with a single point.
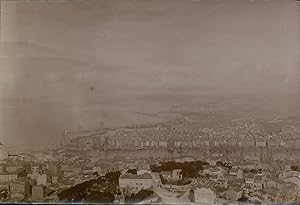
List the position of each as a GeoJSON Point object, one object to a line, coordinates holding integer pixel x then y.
{"type": "Point", "coordinates": [150, 101]}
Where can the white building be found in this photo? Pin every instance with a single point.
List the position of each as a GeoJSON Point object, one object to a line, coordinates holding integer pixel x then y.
{"type": "Point", "coordinates": [261, 144]}
{"type": "Point", "coordinates": [34, 169]}
{"type": "Point", "coordinates": [97, 169]}
{"type": "Point", "coordinates": [147, 144]}
{"type": "Point", "coordinates": [185, 159]}
{"type": "Point", "coordinates": [177, 174]}
{"type": "Point", "coordinates": [41, 180]}
{"type": "Point", "coordinates": [236, 172]}
{"type": "Point", "coordinates": [141, 172]}
{"type": "Point", "coordinates": [204, 196]}
{"type": "Point", "coordinates": [162, 144]}
{"type": "Point", "coordinates": [135, 183]}
{"type": "Point", "coordinates": [8, 176]}
{"type": "Point", "coordinates": [249, 180]}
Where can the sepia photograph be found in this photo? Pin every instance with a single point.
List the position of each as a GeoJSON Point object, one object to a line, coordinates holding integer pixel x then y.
{"type": "Point", "coordinates": [150, 101]}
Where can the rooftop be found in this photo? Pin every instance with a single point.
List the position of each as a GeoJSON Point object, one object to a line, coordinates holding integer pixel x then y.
{"type": "Point", "coordinates": [234, 170]}
{"type": "Point", "coordinates": [204, 190]}
{"type": "Point", "coordinates": [249, 175]}
{"type": "Point", "coordinates": [258, 178]}
{"type": "Point", "coordinates": [213, 169]}
{"type": "Point", "coordinates": [8, 173]}
{"type": "Point", "coordinates": [133, 176]}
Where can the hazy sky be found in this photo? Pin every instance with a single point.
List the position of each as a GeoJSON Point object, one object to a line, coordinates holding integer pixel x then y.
{"type": "Point", "coordinates": [76, 64]}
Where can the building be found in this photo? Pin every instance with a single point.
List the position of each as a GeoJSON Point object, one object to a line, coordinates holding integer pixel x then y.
{"type": "Point", "coordinates": [135, 183]}
{"type": "Point", "coordinates": [27, 186]}
{"type": "Point", "coordinates": [176, 174]}
{"type": "Point", "coordinates": [8, 176]}
{"type": "Point", "coordinates": [34, 169]}
{"type": "Point", "coordinates": [171, 143]}
{"type": "Point", "coordinates": [11, 168]}
{"type": "Point", "coordinates": [286, 173]}
{"type": "Point", "coordinates": [37, 193]}
{"type": "Point", "coordinates": [240, 183]}
{"type": "Point", "coordinates": [249, 180]}
{"type": "Point", "coordinates": [97, 169]}
{"type": "Point", "coordinates": [275, 183]}
{"type": "Point", "coordinates": [185, 159]}
{"type": "Point", "coordinates": [41, 180]}
{"type": "Point", "coordinates": [259, 183]}
{"type": "Point", "coordinates": [203, 196]}
{"type": "Point", "coordinates": [261, 144]}
{"type": "Point", "coordinates": [213, 161]}
{"type": "Point", "coordinates": [141, 172]}
{"type": "Point", "coordinates": [236, 172]}
{"type": "Point", "coordinates": [54, 179]}
{"type": "Point", "coordinates": [214, 171]}
{"type": "Point", "coordinates": [166, 175]}
{"type": "Point", "coordinates": [87, 170]}
{"type": "Point", "coordinates": [233, 194]}
{"type": "Point", "coordinates": [17, 187]}
{"type": "Point", "coordinates": [246, 165]}
{"type": "Point", "coordinates": [163, 144]}
{"type": "Point", "coordinates": [4, 185]}
{"type": "Point", "coordinates": [52, 168]}
{"type": "Point", "coordinates": [222, 183]}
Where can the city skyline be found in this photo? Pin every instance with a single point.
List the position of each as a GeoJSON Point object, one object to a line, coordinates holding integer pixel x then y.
{"type": "Point", "coordinates": [99, 62]}
{"type": "Point", "coordinates": [150, 102]}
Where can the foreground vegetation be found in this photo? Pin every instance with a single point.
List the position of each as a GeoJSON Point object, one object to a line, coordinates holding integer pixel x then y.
{"type": "Point", "coordinates": [99, 190]}
{"type": "Point", "coordinates": [189, 169]}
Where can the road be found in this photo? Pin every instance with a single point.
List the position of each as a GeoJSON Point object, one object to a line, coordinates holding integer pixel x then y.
{"type": "Point", "coordinates": [168, 197]}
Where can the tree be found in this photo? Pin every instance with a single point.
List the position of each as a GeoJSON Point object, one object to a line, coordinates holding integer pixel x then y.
{"type": "Point", "coordinates": [143, 194]}
{"type": "Point", "coordinates": [162, 179]}
{"type": "Point", "coordinates": [3, 194]}
{"type": "Point", "coordinates": [95, 174]}
{"type": "Point", "coordinates": [221, 189]}
{"type": "Point", "coordinates": [207, 175]}
{"type": "Point", "coordinates": [219, 163]}
{"type": "Point", "coordinates": [22, 173]}
{"type": "Point", "coordinates": [243, 198]}
{"type": "Point", "coordinates": [189, 169]}
{"type": "Point", "coordinates": [295, 168]}
{"type": "Point", "coordinates": [132, 171]}
{"type": "Point", "coordinates": [105, 187]}
{"type": "Point", "coordinates": [140, 196]}
{"type": "Point", "coordinates": [100, 197]}
{"type": "Point", "coordinates": [113, 176]}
